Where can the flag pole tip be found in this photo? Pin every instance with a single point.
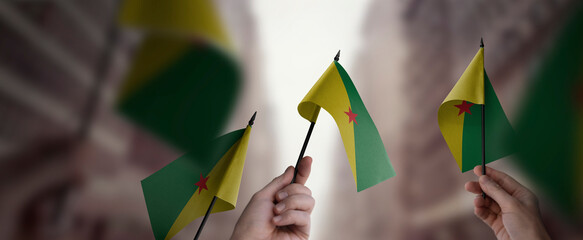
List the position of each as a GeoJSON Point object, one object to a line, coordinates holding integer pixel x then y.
{"type": "Point", "coordinates": [337, 58]}
{"type": "Point", "coordinates": [252, 120]}
{"type": "Point", "coordinates": [481, 42]}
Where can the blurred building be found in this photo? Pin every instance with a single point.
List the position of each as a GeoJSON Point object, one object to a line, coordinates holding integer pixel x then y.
{"type": "Point", "coordinates": [70, 165]}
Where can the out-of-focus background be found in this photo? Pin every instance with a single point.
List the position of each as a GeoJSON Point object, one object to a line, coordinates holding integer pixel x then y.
{"type": "Point", "coordinates": [71, 165]}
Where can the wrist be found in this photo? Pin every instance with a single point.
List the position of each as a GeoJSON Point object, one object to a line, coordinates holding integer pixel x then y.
{"type": "Point", "coordinates": [542, 232]}
{"type": "Point", "coordinates": [238, 234]}
{"type": "Point", "coordinates": [243, 232]}
{"type": "Point", "coordinates": [539, 232]}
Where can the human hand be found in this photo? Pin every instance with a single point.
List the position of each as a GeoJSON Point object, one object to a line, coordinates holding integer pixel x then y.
{"type": "Point", "coordinates": [280, 210]}
{"type": "Point", "coordinates": [509, 209]}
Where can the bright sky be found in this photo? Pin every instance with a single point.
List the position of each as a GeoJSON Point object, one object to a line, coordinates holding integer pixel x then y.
{"type": "Point", "coordinates": [299, 40]}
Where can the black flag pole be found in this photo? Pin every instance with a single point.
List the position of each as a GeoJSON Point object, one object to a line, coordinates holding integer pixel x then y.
{"type": "Point", "coordinates": [303, 150]}
{"type": "Point", "coordinates": [208, 211]}
{"type": "Point", "coordinates": [483, 128]}
{"type": "Point", "coordinates": [305, 145]}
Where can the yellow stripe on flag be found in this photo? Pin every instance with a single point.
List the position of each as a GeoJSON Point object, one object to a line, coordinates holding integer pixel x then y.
{"type": "Point", "coordinates": [452, 128]}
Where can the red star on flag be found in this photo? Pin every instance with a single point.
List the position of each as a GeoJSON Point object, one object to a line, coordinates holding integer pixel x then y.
{"type": "Point", "coordinates": [202, 183]}
{"type": "Point", "coordinates": [464, 107]}
{"type": "Point", "coordinates": [351, 116]}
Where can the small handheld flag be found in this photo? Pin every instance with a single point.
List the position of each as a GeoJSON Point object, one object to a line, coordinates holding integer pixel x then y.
{"type": "Point", "coordinates": [182, 190]}
{"type": "Point", "coordinates": [335, 92]}
{"type": "Point", "coordinates": [463, 122]}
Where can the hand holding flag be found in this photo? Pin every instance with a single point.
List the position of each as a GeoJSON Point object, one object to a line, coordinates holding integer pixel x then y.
{"type": "Point", "coordinates": [511, 210]}
{"type": "Point", "coordinates": [280, 210]}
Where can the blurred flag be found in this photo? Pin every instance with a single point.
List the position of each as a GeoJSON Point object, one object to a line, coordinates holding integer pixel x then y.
{"type": "Point", "coordinates": [181, 91]}
{"type": "Point", "coordinates": [550, 122]}
{"type": "Point", "coordinates": [183, 190]}
{"type": "Point", "coordinates": [183, 81]}
{"type": "Point", "coordinates": [336, 93]}
{"type": "Point", "coordinates": [193, 18]}
{"type": "Point", "coordinates": [460, 118]}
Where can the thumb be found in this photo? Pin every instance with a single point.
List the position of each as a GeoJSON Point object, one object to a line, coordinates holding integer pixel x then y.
{"type": "Point", "coordinates": [276, 184]}
{"type": "Point", "coordinates": [304, 170]}
{"type": "Point", "coordinates": [495, 191]}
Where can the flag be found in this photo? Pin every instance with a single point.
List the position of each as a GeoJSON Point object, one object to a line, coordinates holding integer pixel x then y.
{"type": "Point", "coordinates": [183, 80]}
{"type": "Point", "coordinates": [183, 190]}
{"type": "Point", "coordinates": [550, 121]}
{"type": "Point", "coordinates": [180, 91]}
{"type": "Point", "coordinates": [460, 118]}
{"type": "Point", "coordinates": [366, 153]}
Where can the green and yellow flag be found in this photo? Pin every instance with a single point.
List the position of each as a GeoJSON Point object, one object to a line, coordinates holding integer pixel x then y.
{"type": "Point", "coordinates": [183, 190]}
{"type": "Point", "coordinates": [460, 118]}
{"type": "Point", "coordinates": [183, 75]}
{"type": "Point", "coordinates": [366, 153]}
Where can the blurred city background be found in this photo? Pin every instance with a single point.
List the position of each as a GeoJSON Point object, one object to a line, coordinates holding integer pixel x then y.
{"type": "Point", "coordinates": [71, 164]}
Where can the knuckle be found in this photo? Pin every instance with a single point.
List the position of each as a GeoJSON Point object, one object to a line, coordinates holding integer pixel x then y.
{"type": "Point", "coordinates": [284, 218]}
{"type": "Point", "coordinates": [261, 194]}
{"type": "Point", "coordinates": [256, 196]}
{"type": "Point", "coordinates": [312, 201]}
{"type": "Point", "coordinates": [287, 216]}
{"type": "Point", "coordinates": [477, 212]}
{"type": "Point", "coordinates": [299, 189]}
{"type": "Point", "coordinates": [305, 216]}
{"type": "Point", "coordinates": [295, 187]}
{"type": "Point", "coordinates": [308, 191]}
{"type": "Point", "coordinates": [276, 179]}
{"type": "Point", "coordinates": [533, 200]}
{"type": "Point", "coordinates": [505, 179]}
{"type": "Point", "coordinates": [494, 186]}
{"type": "Point", "coordinates": [304, 190]}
